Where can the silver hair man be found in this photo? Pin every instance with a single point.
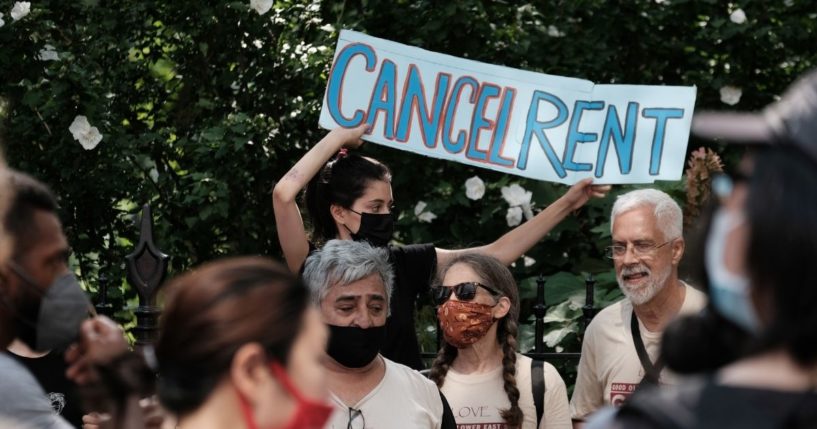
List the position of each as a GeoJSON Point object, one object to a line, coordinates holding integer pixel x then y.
{"type": "Point", "coordinates": [667, 213]}
{"type": "Point", "coordinates": [669, 223]}
{"type": "Point", "coordinates": [341, 262]}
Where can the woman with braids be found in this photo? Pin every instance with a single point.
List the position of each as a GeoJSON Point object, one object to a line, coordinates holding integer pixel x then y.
{"type": "Point", "coordinates": [478, 368]}
{"type": "Point", "coordinates": [350, 198]}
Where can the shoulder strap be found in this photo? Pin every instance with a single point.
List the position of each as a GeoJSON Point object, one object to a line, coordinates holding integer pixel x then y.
{"type": "Point", "coordinates": [652, 372]}
{"type": "Point", "coordinates": [447, 420]}
{"type": "Point", "coordinates": [537, 383]}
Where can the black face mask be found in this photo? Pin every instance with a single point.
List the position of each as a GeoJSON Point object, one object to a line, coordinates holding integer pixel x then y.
{"type": "Point", "coordinates": [377, 229]}
{"type": "Point", "coordinates": [355, 347]}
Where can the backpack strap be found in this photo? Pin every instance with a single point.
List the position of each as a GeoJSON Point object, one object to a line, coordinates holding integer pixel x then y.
{"type": "Point", "coordinates": [652, 371]}
{"type": "Point", "coordinates": [537, 384]}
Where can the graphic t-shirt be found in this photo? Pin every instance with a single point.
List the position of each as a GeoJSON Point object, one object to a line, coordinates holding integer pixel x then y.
{"type": "Point", "coordinates": [404, 399]}
{"type": "Point", "coordinates": [414, 268]}
{"type": "Point", "coordinates": [23, 400]}
{"type": "Point", "coordinates": [609, 370]}
{"type": "Point", "coordinates": [477, 399]}
{"type": "Point", "coordinates": [49, 370]}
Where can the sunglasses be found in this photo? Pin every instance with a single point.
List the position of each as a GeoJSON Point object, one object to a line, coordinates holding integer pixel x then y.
{"type": "Point", "coordinates": [464, 291]}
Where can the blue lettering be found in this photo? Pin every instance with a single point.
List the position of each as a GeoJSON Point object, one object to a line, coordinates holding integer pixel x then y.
{"type": "Point", "coordinates": [450, 112]}
{"type": "Point", "coordinates": [385, 91]}
{"type": "Point", "coordinates": [574, 136]}
{"type": "Point", "coordinates": [535, 128]}
{"type": "Point", "coordinates": [661, 116]}
{"type": "Point", "coordinates": [333, 91]}
{"type": "Point", "coordinates": [623, 138]}
{"type": "Point", "coordinates": [501, 129]}
{"type": "Point", "coordinates": [479, 122]}
{"type": "Point", "coordinates": [429, 123]}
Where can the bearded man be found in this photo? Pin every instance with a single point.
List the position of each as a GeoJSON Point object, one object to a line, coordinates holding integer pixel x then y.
{"type": "Point", "coordinates": [621, 345]}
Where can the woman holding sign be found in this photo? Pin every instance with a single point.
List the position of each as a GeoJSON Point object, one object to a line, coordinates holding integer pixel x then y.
{"type": "Point", "coordinates": [350, 197]}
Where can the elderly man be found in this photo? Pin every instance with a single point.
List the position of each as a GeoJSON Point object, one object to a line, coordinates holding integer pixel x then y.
{"type": "Point", "coordinates": [621, 344]}
{"type": "Point", "coordinates": [351, 283]}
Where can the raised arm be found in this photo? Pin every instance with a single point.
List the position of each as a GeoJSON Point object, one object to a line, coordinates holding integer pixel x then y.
{"type": "Point", "coordinates": [288, 222]}
{"type": "Point", "coordinates": [519, 240]}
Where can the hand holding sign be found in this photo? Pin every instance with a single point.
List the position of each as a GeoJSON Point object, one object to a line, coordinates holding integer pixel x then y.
{"type": "Point", "coordinates": [529, 124]}
{"type": "Point", "coordinates": [350, 137]}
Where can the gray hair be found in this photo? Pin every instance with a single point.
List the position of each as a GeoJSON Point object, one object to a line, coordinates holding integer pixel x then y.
{"type": "Point", "coordinates": [668, 215]}
{"type": "Point", "coordinates": [341, 262]}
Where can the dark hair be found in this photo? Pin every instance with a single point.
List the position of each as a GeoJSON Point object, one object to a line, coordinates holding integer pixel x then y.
{"type": "Point", "coordinates": [28, 195]}
{"type": "Point", "coordinates": [781, 210]}
{"type": "Point", "coordinates": [782, 213]}
{"type": "Point", "coordinates": [341, 181]}
{"type": "Point", "coordinates": [491, 271]}
{"type": "Point", "coordinates": [214, 310]}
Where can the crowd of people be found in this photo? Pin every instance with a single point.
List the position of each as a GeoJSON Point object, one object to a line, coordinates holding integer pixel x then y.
{"type": "Point", "coordinates": [327, 340]}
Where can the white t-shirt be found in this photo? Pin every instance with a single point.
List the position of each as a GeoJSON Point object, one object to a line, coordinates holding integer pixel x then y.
{"type": "Point", "coordinates": [476, 399]}
{"type": "Point", "coordinates": [404, 399]}
{"type": "Point", "coordinates": [609, 369]}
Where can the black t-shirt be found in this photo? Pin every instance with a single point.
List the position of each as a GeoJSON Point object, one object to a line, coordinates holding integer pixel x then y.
{"type": "Point", "coordinates": [704, 404]}
{"type": "Point", "coordinates": [414, 268]}
{"type": "Point", "coordinates": [49, 371]}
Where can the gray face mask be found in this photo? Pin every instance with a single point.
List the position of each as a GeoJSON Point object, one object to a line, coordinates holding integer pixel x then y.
{"type": "Point", "coordinates": [55, 324]}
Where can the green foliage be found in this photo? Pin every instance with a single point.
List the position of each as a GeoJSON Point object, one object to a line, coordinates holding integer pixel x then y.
{"type": "Point", "coordinates": [203, 105]}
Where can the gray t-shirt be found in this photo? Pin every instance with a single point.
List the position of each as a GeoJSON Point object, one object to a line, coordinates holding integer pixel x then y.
{"type": "Point", "coordinates": [23, 400]}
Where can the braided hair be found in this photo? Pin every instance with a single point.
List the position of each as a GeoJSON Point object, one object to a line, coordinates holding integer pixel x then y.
{"type": "Point", "coordinates": [495, 274]}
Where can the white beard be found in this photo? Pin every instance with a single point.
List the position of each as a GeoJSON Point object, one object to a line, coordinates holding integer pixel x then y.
{"type": "Point", "coordinates": [643, 294]}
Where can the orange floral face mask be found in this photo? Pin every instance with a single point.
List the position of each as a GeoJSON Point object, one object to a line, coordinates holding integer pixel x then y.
{"type": "Point", "coordinates": [464, 323]}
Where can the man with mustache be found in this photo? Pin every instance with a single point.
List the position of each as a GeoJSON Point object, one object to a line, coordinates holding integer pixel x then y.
{"type": "Point", "coordinates": [621, 345]}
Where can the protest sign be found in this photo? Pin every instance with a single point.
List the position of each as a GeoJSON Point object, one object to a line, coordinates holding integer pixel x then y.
{"type": "Point", "coordinates": [534, 125]}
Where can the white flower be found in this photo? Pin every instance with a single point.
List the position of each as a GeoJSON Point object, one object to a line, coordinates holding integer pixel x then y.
{"type": "Point", "coordinates": [84, 133]}
{"type": "Point", "coordinates": [20, 9]}
{"type": "Point", "coordinates": [427, 217]}
{"type": "Point", "coordinates": [2, 23]}
{"type": "Point", "coordinates": [528, 261]}
{"type": "Point", "coordinates": [48, 53]}
{"type": "Point", "coordinates": [516, 195]}
{"type": "Point", "coordinates": [731, 94]}
{"type": "Point", "coordinates": [422, 215]}
{"type": "Point", "coordinates": [261, 6]}
{"type": "Point", "coordinates": [738, 16]}
{"type": "Point", "coordinates": [514, 216]}
{"type": "Point", "coordinates": [474, 188]}
{"type": "Point", "coordinates": [421, 205]}
{"type": "Point", "coordinates": [553, 31]}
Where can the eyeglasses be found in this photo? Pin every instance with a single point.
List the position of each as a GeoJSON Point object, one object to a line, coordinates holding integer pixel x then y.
{"type": "Point", "coordinates": [356, 419]}
{"type": "Point", "coordinates": [723, 183]}
{"type": "Point", "coordinates": [641, 249]}
{"type": "Point", "coordinates": [464, 291]}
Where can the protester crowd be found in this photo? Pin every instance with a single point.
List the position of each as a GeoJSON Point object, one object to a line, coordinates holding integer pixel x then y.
{"type": "Point", "coordinates": [327, 340]}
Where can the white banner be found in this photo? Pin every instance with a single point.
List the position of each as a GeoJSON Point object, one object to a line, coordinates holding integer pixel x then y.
{"type": "Point", "coordinates": [530, 124]}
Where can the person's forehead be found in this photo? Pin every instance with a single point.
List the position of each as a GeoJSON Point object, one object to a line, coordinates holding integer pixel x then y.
{"type": "Point", "coordinates": [638, 223]}
{"type": "Point", "coordinates": [377, 189]}
{"type": "Point", "coordinates": [47, 237]}
{"type": "Point", "coordinates": [371, 285]}
{"type": "Point", "coordinates": [459, 273]}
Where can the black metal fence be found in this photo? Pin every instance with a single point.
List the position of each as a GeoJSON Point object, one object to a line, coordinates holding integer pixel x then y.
{"type": "Point", "coordinates": [147, 269]}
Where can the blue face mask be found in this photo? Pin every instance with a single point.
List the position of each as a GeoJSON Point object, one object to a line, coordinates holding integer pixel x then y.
{"type": "Point", "coordinates": [730, 292]}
